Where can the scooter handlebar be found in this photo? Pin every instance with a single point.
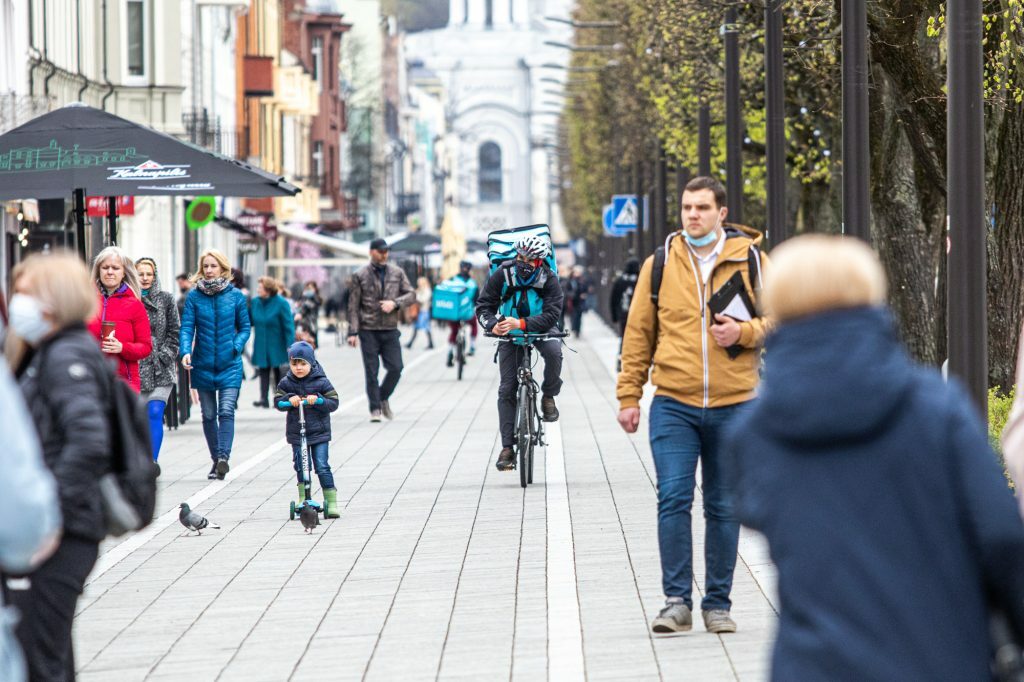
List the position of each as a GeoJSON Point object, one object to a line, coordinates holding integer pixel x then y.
{"type": "Point", "coordinates": [285, 404]}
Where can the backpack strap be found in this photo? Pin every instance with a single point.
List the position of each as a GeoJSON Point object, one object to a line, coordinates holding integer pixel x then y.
{"type": "Point", "coordinates": [754, 271]}
{"type": "Point", "coordinates": [658, 270]}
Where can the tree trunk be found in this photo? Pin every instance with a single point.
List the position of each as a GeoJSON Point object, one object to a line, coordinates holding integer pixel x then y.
{"type": "Point", "coordinates": [1006, 252]}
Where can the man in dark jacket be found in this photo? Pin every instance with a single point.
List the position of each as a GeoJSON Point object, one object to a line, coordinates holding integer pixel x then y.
{"type": "Point", "coordinates": [307, 381]}
{"type": "Point", "coordinates": [376, 293]}
{"type": "Point", "coordinates": [523, 295]}
{"type": "Point", "coordinates": [621, 298]}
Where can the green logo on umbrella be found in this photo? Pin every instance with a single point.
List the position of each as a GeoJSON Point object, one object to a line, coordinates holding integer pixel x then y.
{"type": "Point", "coordinates": [200, 212]}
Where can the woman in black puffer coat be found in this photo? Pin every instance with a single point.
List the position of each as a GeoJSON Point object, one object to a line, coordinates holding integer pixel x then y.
{"type": "Point", "coordinates": [159, 370]}
{"type": "Point", "coordinates": [66, 383]}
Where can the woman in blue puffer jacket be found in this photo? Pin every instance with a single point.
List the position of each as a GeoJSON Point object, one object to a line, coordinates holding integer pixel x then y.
{"type": "Point", "coordinates": [214, 329]}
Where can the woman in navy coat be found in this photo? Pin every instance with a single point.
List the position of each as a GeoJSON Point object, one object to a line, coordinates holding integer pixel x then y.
{"type": "Point", "coordinates": [214, 330]}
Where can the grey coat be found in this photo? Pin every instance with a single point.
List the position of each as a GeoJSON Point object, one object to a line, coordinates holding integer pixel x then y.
{"type": "Point", "coordinates": [159, 368]}
{"type": "Point", "coordinates": [365, 296]}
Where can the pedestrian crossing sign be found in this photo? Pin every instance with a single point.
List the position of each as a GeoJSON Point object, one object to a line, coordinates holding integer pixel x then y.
{"type": "Point", "coordinates": [625, 213]}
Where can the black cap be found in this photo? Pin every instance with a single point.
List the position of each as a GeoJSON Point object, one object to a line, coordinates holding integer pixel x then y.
{"type": "Point", "coordinates": [379, 245]}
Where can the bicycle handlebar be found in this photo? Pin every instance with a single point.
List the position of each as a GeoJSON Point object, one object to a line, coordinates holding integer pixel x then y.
{"type": "Point", "coordinates": [534, 336]}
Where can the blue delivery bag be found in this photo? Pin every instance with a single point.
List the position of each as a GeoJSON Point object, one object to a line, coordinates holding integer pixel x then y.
{"type": "Point", "coordinates": [452, 302]}
{"type": "Point", "coordinates": [501, 244]}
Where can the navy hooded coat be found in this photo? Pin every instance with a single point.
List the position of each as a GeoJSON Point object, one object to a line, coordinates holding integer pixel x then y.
{"type": "Point", "coordinates": [318, 417]}
{"type": "Point", "coordinates": [884, 507]}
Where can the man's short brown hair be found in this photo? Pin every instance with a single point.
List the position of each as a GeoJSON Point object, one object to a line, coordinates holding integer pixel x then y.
{"type": "Point", "coordinates": [704, 182]}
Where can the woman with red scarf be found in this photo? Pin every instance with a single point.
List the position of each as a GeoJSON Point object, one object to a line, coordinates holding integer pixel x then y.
{"type": "Point", "coordinates": [122, 326]}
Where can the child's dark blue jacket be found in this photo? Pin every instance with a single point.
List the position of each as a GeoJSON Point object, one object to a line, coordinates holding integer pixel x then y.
{"type": "Point", "coordinates": [318, 417]}
{"type": "Point", "coordinates": [885, 509]}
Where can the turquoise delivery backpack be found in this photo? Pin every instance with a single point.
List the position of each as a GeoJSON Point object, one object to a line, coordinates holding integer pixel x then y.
{"type": "Point", "coordinates": [501, 244]}
{"type": "Point", "coordinates": [500, 249]}
{"type": "Point", "coordinates": [452, 301]}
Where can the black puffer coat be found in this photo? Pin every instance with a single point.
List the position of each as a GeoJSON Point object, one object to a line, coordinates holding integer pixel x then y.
{"type": "Point", "coordinates": [160, 368]}
{"type": "Point", "coordinates": [66, 384]}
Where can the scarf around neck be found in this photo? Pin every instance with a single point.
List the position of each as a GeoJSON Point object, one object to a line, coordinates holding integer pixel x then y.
{"type": "Point", "coordinates": [212, 287]}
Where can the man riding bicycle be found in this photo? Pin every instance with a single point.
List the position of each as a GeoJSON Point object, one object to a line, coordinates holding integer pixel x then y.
{"type": "Point", "coordinates": [466, 276]}
{"type": "Point", "coordinates": [524, 295]}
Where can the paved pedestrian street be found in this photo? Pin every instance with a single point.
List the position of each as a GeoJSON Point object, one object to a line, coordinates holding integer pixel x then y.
{"type": "Point", "coordinates": [439, 567]}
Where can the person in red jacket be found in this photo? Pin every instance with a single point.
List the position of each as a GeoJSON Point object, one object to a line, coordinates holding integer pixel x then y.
{"type": "Point", "coordinates": [122, 326]}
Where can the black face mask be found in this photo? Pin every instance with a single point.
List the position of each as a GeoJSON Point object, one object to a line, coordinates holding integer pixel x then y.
{"type": "Point", "coordinates": [184, 292]}
{"type": "Point", "coordinates": [525, 270]}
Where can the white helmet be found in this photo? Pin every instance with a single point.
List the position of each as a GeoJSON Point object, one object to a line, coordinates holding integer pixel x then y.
{"type": "Point", "coordinates": [533, 247]}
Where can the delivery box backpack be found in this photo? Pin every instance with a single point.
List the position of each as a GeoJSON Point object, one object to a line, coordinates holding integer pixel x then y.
{"type": "Point", "coordinates": [516, 300]}
{"type": "Point", "coordinates": [453, 300]}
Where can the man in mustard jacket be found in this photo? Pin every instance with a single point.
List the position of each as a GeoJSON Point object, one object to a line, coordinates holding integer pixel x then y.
{"type": "Point", "coordinates": [705, 368]}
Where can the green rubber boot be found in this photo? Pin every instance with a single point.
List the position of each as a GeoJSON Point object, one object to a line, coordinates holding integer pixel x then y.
{"type": "Point", "coordinates": [302, 494]}
{"type": "Point", "coordinates": [331, 500]}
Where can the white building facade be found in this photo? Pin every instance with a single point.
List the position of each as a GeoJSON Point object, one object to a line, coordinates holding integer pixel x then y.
{"type": "Point", "coordinates": [490, 59]}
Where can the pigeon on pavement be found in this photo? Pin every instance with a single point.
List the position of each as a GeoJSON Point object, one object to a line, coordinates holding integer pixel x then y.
{"type": "Point", "coordinates": [309, 518]}
{"type": "Point", "coordinates": [194, 520]}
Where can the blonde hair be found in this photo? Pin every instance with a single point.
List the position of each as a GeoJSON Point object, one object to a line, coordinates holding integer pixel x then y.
{"type": "Point", "coordinates": [816, 273]}
{"type": "Point", "coordinates": [422, 283]}
{"type": "Point", "coordinates": [61, 283]}
{"type": "Point", "coordinates": [222, 261]}
{"type": "Point", "coordinates": [131, 276]}
{"type": "Point", "coordinates": [270, 284]}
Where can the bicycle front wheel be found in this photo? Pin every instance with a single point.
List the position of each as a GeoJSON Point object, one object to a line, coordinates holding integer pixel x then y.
{"type": "Point", "coordinates": [524, 437]}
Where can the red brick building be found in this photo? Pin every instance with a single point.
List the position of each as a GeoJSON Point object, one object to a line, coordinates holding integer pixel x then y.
{"type": "Point", "coordinates": [314, 37]}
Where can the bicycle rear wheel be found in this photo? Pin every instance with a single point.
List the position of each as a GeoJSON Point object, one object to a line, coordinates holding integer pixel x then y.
{"type": "Point", "coordinates": [524, 437]}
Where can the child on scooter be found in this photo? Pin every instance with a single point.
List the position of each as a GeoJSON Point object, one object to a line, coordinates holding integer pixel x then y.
{"type": "Point", "coordinates": [306, 380]}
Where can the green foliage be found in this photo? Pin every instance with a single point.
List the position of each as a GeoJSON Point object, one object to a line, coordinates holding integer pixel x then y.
{"type": "Point", "coordinates": [999, 406]}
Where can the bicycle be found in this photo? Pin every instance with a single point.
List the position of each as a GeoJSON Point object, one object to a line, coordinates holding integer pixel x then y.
{"type": "Point", "coordinates": [529, 427]}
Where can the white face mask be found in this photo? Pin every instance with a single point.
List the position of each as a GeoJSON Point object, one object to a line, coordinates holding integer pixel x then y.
{"type": "Point", "coordinates": [27, 321]}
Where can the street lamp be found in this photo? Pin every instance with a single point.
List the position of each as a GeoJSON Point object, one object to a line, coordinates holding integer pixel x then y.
{"type": "Point", "coordinates": [584, 24]}
{"type": "Point", "coordinates": [617, 47]}
{"type": "Point", "coordinates": [733, 118]}
{"type": "Point", "coordinates": [967, 324]}
{"type": "Point", "coordinates": [775, 124]}
{"type": "Point", "coordinates": [856, 144]}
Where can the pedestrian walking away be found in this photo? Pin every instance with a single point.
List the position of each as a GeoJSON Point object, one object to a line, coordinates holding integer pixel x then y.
{"type": "Point", "coordinates": [309, 310]}
{"type": "Point", "coordinates": [122, 325]}
{"type": "Point", "coordinates": [578, 290]}
{"type": "Point", "coordinates": [884, 506]}
{"type": "Point", "coordinates": [523, 294]}
{"type": "Point", "coordinates": [65, 380]}
{"type": "Point", "coordinates": [307, 381]}
{"type": "Point", "coordinates": [705, 369]}
{"type": "Point", "coordinates": [377, 292]}
{"type": "Point", "coordinates": [274, 331]}
{"type": "Point", "coordinates": [214, 330]}
{"type": "Point", "coordinates": [158, 370]}
{"type": "Point", "coordinates": [621, 298]}
{"type": "Point", "coordinates": [423, 298]}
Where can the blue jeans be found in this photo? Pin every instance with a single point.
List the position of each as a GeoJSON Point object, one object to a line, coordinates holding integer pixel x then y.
{"type": "Point", "coordinates": [680, 435]}
{"type": "Point", "coordinates": [219, 420]}
{"type": "Point", "coordinates": [318, 453]}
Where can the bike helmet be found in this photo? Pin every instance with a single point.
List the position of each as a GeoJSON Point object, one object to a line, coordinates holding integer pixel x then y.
{"type": "Point", "coordinates": [533, 247]}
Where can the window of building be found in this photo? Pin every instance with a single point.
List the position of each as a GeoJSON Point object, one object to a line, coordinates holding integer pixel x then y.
{"type": "Point", "coordinates": [318, 161]}
{"type": "Point", "coordinates": [489, 13]}
{"type": "Point", "coordinates": [318, 61]}
{"type": "Point", "coordinates": [489, 175]}
{"type": "Point", "coordinates": [135, 24]}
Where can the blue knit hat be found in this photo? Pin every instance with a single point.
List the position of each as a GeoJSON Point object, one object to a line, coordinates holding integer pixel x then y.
{"type": "Point", "coordinates": [302, 351]}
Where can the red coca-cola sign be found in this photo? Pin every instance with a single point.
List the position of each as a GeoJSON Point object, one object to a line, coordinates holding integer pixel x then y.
{"type": "Point", "coordinates": [96, 207]}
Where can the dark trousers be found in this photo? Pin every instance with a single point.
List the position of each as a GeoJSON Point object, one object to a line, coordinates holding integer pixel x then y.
{"type": "Point", "coordinates": [381, 345]}
{"type": "Point", "coordinates": [265, 373]}
{"type": "Point", "coordinates": [48, 609]}
{"type": "Point", "coordinates": [509, 357]}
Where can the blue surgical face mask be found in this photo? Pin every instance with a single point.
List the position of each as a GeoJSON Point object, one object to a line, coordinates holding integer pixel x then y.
{"type": "Point", "coordinates": [707, 240]}
{"type": "Point", "coordinates": [27, 320]}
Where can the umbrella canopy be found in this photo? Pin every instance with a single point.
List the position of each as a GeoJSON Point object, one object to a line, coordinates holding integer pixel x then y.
{"type": "Point", "coordinates": [79, 147]}
{"type": "Point", "coordinates": [416, 243]}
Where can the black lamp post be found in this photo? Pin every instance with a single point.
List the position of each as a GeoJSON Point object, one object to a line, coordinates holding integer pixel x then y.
{"type": "Point", "coordinates": [775, 180]}
{"type": "Point", "coordinates": [967, 324]}
{"type": "Point", "coordinates": [733, 118]}
{"type": "Point", "coordinates": [856, 146]}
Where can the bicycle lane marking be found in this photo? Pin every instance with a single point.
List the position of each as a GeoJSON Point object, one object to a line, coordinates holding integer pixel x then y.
{"type": "Point", "coordinates": [121, 551]}
{"type": "Point", "coordinates": [565, 633]}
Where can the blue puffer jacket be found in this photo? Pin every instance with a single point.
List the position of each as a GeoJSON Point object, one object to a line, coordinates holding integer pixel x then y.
{"type": "Point", "coordinates": [219, 325]}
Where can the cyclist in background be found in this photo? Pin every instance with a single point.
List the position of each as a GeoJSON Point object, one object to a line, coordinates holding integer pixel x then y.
{"type": "Point", "coordinates": [523, 295]}
{"type": "Point", "coordinates": [466, 275]}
